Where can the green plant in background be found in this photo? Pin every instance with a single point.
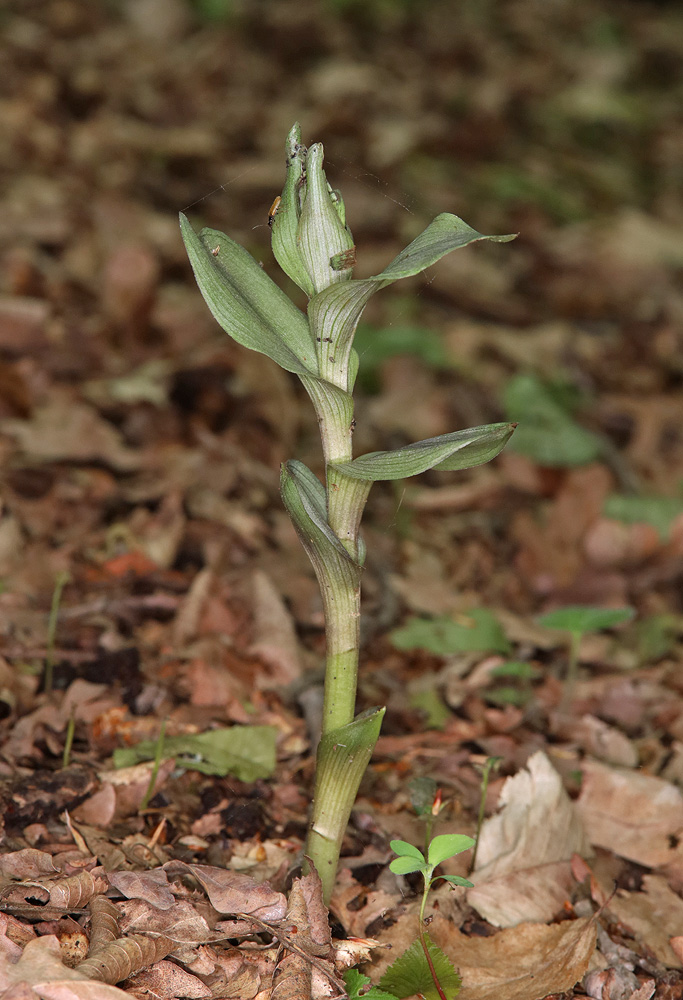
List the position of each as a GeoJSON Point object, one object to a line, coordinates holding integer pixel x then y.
{"type": "Point", "coordinates": [490, 765]}
{"type": "Point", "coordinates": [61, 581]}
{"type": "Point", "coordinates": [519, 693]}
{"type": "Point", "coordinates": [314, 247]}
{"type": "Point", "coordinates": [579, 620]}
{"type": "Point", "coordinates": [477, 630]}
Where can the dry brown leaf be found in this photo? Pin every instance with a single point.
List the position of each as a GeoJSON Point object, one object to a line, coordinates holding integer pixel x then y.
{"type": "Point", "coordinates": [166, 979]}
{"type": "Point", "coordinates": [523, 870]}
{"type": "Point", "coordinates": [151, 886]}
{"type": "Point", "coordinates": [275, 640]}
{"type": "Point", "coordinates": [519, 963]}
{"type": "Point", "coordinates": [181, 922]}
{"type": "Point", "coordinates": [68, 430]}
{"type": "Point", "coordinates": [231, 892]}
{"type": "Point", "coordinates": [307, 971]}
{"type": "Point", "coordinates": [633, 814]}
{"type": "Point", "coordinates": [654, 916]}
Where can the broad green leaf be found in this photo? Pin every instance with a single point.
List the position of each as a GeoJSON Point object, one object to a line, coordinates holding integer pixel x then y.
{"type": "Point", "coordinates": [516, 668]}
{"type": "Point", "coordinates": [406, 850]}
{"type": "Point", "coordinates": [547, 433]}
{"type": "Point", "coordinates": [335, 312]}
{"type": "Point", "coordinates": [405, 866]}
{"type": "Point", "coordinates": [508, 696]}
{"type": "Point", "coordinates": [580, 618]}
{"type": "Point", "coordinates": [660, 512]}
{"type": "Point", "coordinates": [247, 752]}
{"type": "Point", "coordinates": [477, 630]}
{"type": "Point", "coordinates": [356, 981]}
{"type": "Point", "coordinates": [448, 452]}
{"type": "Point", "coordinates": [246, 302]}
{"type": "Point", "coordinates": [410, 973]}
{"type": "Point", "coordinates": [447, 845]}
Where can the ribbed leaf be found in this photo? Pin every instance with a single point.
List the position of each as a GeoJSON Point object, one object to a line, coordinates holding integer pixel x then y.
{"type": "Point", "coordinates": [334, 313]}
{"type": "Point", "coordinates": [304, 498]}
{"type": "Point", "coordinates": [286, 221]}
{"type": "Point", "coordinates": [459, 450]}
{"type": "Point", "coordinates": [246, 302]}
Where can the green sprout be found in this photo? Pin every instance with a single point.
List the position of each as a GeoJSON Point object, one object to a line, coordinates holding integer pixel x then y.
{"type": "Point", "coordinates": [61, 581]}
{"type": "Point", "coordinates": [315, 248]}
{"type": "Point", "coordinates": [578, 620]}
{"type": "Point", "coordinates": [424, 969]}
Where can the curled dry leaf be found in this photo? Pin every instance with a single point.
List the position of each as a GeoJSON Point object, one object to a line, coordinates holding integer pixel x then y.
{"type": "Point", "coordinates": [122, 958]}
{"type": "Point", "coordinates": [306, 969]}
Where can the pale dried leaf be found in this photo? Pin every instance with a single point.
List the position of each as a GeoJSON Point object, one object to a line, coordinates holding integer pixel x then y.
{"type": "Point", "coordinates": [535, 831]}
{"type": "Point", "coordinates": [124, 957]}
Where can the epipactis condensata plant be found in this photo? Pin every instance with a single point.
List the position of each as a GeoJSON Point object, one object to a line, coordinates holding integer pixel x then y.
{"type": "Point", "coordinates": [314, 246]}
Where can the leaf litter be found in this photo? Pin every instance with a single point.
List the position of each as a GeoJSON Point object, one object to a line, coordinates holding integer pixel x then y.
{"type": "Point", "coordinates": [140, 451]}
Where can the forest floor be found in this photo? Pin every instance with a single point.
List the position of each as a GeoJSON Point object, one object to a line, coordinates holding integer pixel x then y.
{"type": "Point", "coordinates": [153, 594]}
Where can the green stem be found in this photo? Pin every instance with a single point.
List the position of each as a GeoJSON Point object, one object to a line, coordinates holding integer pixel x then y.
{"type": "Point", "coordinates": [572, 673]}
{"type": "Point", "coordinates": [423, 942]}
{"type": "Point", "coordinates": [60, 582]}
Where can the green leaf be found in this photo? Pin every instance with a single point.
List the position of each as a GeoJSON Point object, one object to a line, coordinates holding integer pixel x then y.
{"type": "Point", "coordinates": [246, 302]}
{"type": "Point", "coordinates": [507, 696]}
{"type": "Point", "coordinates": [447, 845]}
{"type": "Point", "coordinates": [247, 752]}
{"type": "Point", "coordinates": [478, 630]}
{"type": "Point", "coordinates": [547, 432]}
{"type": "Point", "coordinates": [456, 880]}
{"type": "Point", "coordinates": [356, 981]}
{"type": "Point", "coordinates": [404, 866]}
{"type": "Point", "coordinates": [429, 701]}
{"type": "Point", "coordinates": [406, 850]}
{"type": "Point", "coordinates": [422, 794]}
{"type": "Point", "coordinates": [659, 512]}
{"type": "Point", "coordinates": [448, 452]}
{"type": "Point", "coordinates": [580, 618]}
{"type": "Point", "coordinates": [516, 668]}
{"type": "Point", "coordinates": [410, 973]}
{"type": "Point", "coordinates": [335, 312]}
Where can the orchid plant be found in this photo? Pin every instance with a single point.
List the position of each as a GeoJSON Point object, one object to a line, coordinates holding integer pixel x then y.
{"type": "Point", "coordinates": [313, 245]}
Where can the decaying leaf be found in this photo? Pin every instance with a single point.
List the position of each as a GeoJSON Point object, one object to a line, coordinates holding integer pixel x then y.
{"type": "Point", "coordinates": [231, 892]}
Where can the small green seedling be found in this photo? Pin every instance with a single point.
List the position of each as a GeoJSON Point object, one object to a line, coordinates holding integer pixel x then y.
{"type": "Point", "coordinates": [579, 620]}
{"type": "Point", "coordinates": [424, 969]}
{"type": "Point", "coordinates": [490, 765]}
{"type": "Point", "coordinates": [60, 583]}
{"type": "Point", "coordinates": [518, 693]}
{"type": "Point", "coordinates": [313, 245]}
